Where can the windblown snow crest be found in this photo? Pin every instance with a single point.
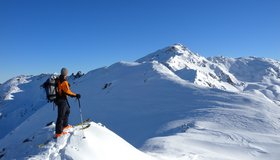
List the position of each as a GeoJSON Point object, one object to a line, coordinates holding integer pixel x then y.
{"type": "Point", "coordinates": [172, 104]}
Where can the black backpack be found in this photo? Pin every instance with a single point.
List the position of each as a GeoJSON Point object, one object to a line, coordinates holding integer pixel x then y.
{"type": "Point", "coordinates": [50, 87]}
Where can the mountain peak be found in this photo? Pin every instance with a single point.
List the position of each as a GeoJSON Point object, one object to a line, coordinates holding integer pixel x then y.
{"type": "Point", "coordinates": [167, 53]}
{"type": "Point", "coordinates": [178, 46]}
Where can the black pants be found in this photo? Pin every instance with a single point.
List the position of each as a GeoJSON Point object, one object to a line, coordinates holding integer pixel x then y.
{"type": "Point", "coordinates": [63, 111]}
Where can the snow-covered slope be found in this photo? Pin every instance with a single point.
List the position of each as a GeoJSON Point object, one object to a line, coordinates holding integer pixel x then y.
{"type": "Point", "coordinates": [11, 87]}
{"type": "Point", "coordinates": [20, 97]}
{"type": "Point", "coordinates": [194, 68]}
{"type": "Point", "coordinates": [37, 143]}
{"type": "Point", "coordinates": [171, 104]}
{"type": "Point", "coordinates": [259, 75]}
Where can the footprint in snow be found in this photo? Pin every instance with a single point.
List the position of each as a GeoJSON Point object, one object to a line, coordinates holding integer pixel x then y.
{"type": "Point", "coordinates": [192, 156]}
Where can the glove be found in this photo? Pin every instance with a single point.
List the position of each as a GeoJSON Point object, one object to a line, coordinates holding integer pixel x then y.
{"type": "Point", "coordinates": [78, 96]}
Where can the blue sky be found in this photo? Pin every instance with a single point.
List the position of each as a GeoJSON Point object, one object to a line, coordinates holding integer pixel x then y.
{"type": "Point", "coordinates": [43, 35]}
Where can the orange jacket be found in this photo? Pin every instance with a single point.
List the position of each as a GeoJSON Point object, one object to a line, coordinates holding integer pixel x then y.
{"type": "Point", "coordinates": [64, 89]}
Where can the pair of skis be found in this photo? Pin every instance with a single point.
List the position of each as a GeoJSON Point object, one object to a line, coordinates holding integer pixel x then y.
{"type": "Point", "coordinates": [83, 125]}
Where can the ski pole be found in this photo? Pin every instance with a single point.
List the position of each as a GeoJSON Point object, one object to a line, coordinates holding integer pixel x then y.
{"type": "Point", "coordinates": [81, 115]}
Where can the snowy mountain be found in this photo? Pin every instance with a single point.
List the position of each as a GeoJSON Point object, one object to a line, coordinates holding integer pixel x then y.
{"type": "Point", "coordinates": [170, 104]}
{"type": "Point", "coordinates": [194, 68]}
{"type": "Point", "coordinates": [259, 75]}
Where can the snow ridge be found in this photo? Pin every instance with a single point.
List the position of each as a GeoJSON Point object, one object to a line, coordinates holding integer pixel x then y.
{"type": "Point", "coordinates": [172, 104]}
{"type": "Point", "coordinates": [11, 86]}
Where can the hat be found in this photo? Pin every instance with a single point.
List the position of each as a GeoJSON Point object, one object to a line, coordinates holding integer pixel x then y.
{"type": "Point", "coordinates": [64, 71]}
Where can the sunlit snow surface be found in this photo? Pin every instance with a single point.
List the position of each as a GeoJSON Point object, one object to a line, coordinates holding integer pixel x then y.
{"type": "Point", "coordinates": [171, 104]}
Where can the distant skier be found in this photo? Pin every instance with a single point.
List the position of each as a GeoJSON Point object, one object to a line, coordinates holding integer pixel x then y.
{"type": "Point", "coordinates": [62, 103]}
